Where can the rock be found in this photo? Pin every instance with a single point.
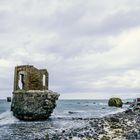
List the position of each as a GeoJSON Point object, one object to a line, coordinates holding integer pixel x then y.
{"type": "Point", "coordinates": [71, 112]}
{"type": "Point", "coordinates": [117, 102]}
{"type": "Point", "coordinates": [47, 136]}
{"type": "Point", "coordinates": [114, 119]}
{"type": "Point", "coordinates": [128, 103]}
{"type": "Point", "coordinates": [129, 111]}
{"type": "Point", "coordinates": [33, 104]}
{"type": "Point", "coordinates": [8, 99]}
{"type": "Point", "coordinates": [136, 108]}
{"type": "Point", "coordinates": [116, 126]}
{"type": "Point", "coordinates": [105, 138]}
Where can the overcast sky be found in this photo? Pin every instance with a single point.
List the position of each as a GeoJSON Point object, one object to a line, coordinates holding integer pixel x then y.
{"type": "Point", "coordinates": [91, 48]}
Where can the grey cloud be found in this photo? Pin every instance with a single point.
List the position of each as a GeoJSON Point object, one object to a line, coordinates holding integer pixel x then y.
{"type": "Point", "coordinates": [112, 24]}
{"type": "Point", "coordinates": [22, 29]}
{"type": "Point", "coordinates": [73, 78]}
{"type": "Point", "coordinates": [120, 21]}
{"type": "Point", "coordinates": [72, 48]}
{"type": "Point", "coordinates": [4, 25]}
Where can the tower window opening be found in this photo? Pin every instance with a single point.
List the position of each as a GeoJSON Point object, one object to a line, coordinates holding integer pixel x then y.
{"type": "Point", "coordinates": [44, 80]}
{"type": "Point", "coordinates": [21, 81]}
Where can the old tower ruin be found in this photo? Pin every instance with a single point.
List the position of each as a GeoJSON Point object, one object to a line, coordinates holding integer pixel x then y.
{"type": "Point", "coordinates": [27, 77]}
{"type": "Point", "coordinates": [31, 98]}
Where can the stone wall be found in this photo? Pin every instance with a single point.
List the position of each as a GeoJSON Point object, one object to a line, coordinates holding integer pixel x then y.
{"type": "Point", "coordinates": [30, 78]}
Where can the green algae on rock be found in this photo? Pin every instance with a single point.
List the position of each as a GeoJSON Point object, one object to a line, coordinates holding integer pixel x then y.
{"type": "Point", "coordinates": [117, 102]}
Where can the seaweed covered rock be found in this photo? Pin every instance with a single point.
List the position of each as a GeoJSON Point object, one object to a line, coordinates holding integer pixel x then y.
{"type": "Point", "coordinates": [117, 102]}
{"type": "Point", "coordinates": [33, 104]}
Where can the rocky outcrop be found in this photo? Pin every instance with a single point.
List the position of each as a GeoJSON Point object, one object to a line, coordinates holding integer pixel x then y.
{"type": "Point", "coordinates": [117, 102]}
{"type": "Point", "coordinates": [33, 104]}
{"type": "Point", "coordinates": [8, 99]}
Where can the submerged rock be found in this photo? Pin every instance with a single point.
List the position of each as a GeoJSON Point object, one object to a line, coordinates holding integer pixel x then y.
{"type": "Point", "coordinates": [72, 112]}
{"type": "Point", "coordinates": [33, 104]}
{"type": "Point", "coordinates": [117, 102]}
{"type": "Point", "coordinates": [8, 99]}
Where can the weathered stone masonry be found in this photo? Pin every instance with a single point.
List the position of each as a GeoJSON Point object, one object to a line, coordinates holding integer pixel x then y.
{"type": "Point", "coordinates": [31, 98]}
{"type": "Point", "coordinates": [30, 78]}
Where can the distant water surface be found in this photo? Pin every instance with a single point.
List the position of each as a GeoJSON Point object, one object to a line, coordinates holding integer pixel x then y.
{"type": "Point", "coordinates": [67, 114]}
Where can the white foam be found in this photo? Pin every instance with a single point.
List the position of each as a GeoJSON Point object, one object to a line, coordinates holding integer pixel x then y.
{"type": "Point", "coordinates": [118, 110]}
{"type": "Point", "coordinates": [7, 118]}
{"type": "Point", "coordinates": [102, 103]}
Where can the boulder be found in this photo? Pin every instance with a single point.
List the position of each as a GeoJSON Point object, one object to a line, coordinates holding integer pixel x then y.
{"type": "Point", "coordinates": [114, 119]}
{"type": "Point", "coordinates": [8, 99]}
{"type": "Point", "coordinates": [117, 102]}
{"type": "Point", "coordinates": [33, 104]}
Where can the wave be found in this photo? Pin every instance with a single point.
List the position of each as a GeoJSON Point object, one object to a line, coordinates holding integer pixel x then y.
{"type": "Point", "coordinates": [101, 103]}
{"type": "Point", "coordinates": [119, 110]}
{"type": "Point", "coordinates": [7, 118]}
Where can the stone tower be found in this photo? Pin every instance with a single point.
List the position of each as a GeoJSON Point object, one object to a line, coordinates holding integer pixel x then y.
{"type": "Point", "coordinates": [27, 77]}
{"type": "Point", "coordinates": [31, 98]}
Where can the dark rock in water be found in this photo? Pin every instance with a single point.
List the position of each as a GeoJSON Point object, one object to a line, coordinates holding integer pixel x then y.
{"type": "Point", "coordinates": [33, 104]}
{"type": "Point", "coordinates": [8, 99]}
{"type": "Point", "coordinates": [128, 103]}
{"type": "Point", "coordinates": [129, 111]}
{"type": "Point", "coordinates": [136, 108]}
{"type": "Point", "coordinates": [117, 102]}
{"type": "Point", "coordinates": [71, 112]}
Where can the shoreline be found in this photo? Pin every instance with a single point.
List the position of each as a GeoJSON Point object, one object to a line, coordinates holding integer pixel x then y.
{"type": "Point", "coordinates": [120, 126]}
{"type": "Point", "coordinates": [115, 126]}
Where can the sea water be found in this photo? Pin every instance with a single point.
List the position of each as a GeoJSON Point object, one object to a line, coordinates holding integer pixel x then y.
{"type": "Point", "coordinates": [68, 114]}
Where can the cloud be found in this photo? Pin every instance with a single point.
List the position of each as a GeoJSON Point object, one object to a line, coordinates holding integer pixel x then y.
{"type": "Point", "coordinates": [87, 47]}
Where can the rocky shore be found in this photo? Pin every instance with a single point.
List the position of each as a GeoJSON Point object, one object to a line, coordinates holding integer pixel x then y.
{"type": "Point", "coordinates": [120, 126]}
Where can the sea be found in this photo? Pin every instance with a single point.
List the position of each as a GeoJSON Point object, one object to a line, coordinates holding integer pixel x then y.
{"type": "Point", "coordinates": [68, 114]}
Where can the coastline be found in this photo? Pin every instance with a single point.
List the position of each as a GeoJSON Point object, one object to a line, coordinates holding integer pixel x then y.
{"type": "Point", "coordinates": [74, 126]}
{"type": "Point", "coordinates": [120, 126]}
